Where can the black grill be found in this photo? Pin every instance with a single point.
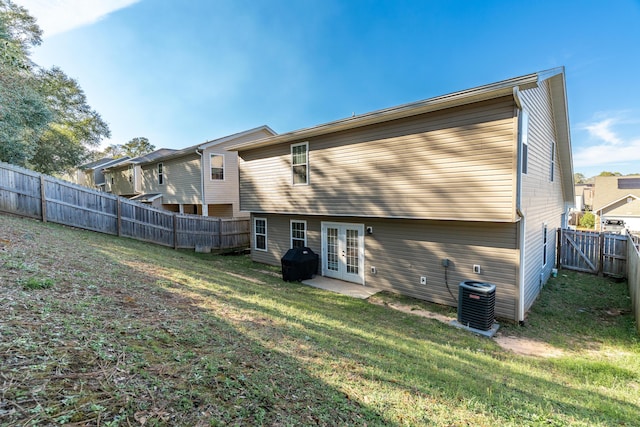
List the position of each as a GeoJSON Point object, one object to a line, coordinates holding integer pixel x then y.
{"type": "Point", "coordinates": [299, 264]}
{"type": "Point", "coordinates": [476, 302]}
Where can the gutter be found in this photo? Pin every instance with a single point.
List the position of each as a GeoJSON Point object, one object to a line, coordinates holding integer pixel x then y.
{"type": "Point", "coordinates": [202, 198]}
{"type": "Point", "coordinates": [523, 222]}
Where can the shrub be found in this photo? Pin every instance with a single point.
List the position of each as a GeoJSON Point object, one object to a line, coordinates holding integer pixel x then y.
{"type": "Point", "coordinates": [588, 220]}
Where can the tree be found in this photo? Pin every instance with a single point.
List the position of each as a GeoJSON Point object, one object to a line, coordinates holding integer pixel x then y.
{"type": "Point", "coordinates": [73, 129]}
{"type": "Point", "coordinates": [23, 110]}
{"type": "Point", "coordinates": [45, 122]}
{"type": "Point", "coordinates": [138, 146]}
{"type": "Point", "coordinates": [579, 178]}
{"type": "Point", "coordinates": [605, 173]}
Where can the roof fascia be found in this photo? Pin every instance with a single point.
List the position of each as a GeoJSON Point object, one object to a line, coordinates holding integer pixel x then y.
{"type": "Point", "coordinates": [468, 96]}
{"type": "Point", "coordinates": [222, 140]}
{"type": "Point", "coordinates": [560, 111]}
{"type": "Point", "coordinates": [616, 201]}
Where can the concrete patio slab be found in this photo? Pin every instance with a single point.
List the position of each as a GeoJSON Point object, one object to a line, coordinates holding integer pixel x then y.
{"type": "Point", "coordinates": [345, 288]}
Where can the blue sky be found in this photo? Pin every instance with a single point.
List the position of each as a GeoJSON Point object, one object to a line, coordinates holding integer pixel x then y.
{"type": "Point", "coordinates": [181, 72]}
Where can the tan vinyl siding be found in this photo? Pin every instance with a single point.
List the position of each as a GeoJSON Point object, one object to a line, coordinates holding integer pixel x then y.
{"type": "Point", "coordinates": [226, 191]}
{"type": "Point", "coordinates": [452, 164]}
{"type": "Point", "coordinates": [181, 180]}
{"type": "Point", "coordinates": [221, 211]}
{"type": "Point", "coordinates": [542, 200]}
{"type": "Point", "coordinates": [121, 184]}
{"type": "Point", "coordinates": [404, 250]}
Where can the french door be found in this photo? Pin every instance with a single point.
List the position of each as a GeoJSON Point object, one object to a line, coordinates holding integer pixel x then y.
{"type": "Point", "coordinates": [343, 251]}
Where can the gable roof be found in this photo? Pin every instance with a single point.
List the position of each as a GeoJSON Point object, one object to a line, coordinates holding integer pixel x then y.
{"type": "Point", "coordinates": [628, 209]}
{"type": "Point", "coordinates": [163, 154]}
{"type": "Point", "coordinates": [607, 190]}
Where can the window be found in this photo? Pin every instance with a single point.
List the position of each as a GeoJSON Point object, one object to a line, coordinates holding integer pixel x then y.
{"type": "Point", "coordinates": [298, 234]}
{"type": "Point", "coordinates": [300, 163]}
{"type": "Point", "coordinates": [260, 234]}
{"type": "Point", "coordinates": [524, 137]}
{"type": "Point", "coordinates": [553, 160]}
{"type": "Point", "coordinates": [545, 243]}
{"type": "Point", "coordinates": [130, 173]}
{"type": "Point", "coordinates": [160, 173]}
{"type": "Point", "coordinates": [217, 167]}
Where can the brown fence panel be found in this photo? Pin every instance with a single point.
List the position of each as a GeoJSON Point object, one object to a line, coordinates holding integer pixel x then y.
{"type": "Point", "coordinates": [142, 222]}
{"type": "Point", "coordinates": [81, 207]}
{"type": "Point", "coordinates": [633, 279]}
{"type": "Point", "coordinates": [580, 250]}
{"type": "Point", "coordinates": [20, 191]}
{"type": "Point", "coordinates": [27, 193]}
{"type": "Point", "coordinates": [614, 255]}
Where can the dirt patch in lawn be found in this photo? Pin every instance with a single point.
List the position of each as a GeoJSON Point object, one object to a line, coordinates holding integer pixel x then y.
{"type": "Point", "coordinates": [518, 345]}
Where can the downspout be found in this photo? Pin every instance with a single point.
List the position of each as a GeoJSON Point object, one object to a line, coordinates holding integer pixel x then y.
{"type": "Point", "coordinates": [202, 198]}
{"type": "Point", "coordinates": [523, 222]}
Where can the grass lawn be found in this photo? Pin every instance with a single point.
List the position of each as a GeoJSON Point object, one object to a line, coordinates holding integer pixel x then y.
{"type": "Point", "coordinates": [97, 330]}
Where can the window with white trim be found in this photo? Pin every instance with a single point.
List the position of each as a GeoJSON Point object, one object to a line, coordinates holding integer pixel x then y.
{"type": "Point", "coordinates": [300, 163]}
{"type": "Point", "coordinates": [524, 129]}
{"type": "Point", "coordinates": [217, 167]}
{"type": "Point", "coordinates": [298, 234]}
{"type": "Point", "coordinates": [553, 160]}
{"type": "Point", "coordinates": [545, 244]}
{"type": "Point", "coordinates": [160, 174]}
{"type": "Point", "coordinates": [260, 234]}
{"type": "Point", "coordinates": [130, 172]}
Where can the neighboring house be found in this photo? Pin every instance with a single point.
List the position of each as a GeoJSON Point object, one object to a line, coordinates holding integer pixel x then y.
{"type": "Point", "coordinates": [616, 202]}
{"type": "Point", "coordinates": [91, 174]}
{"type": "Point", "coordinates": [478, 180]}
{"type": "Point", "coordinates": [584, 197]}
{"type": "Point", "coordinates": [201, 179]}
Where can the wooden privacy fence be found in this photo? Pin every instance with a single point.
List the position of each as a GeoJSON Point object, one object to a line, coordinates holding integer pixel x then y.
{"type": "Point", "coordinates": [633, 279]}
{"type": "Point", "coordinates": [27, 193]}
{"type": "Point", "coordinates": [593, 252]}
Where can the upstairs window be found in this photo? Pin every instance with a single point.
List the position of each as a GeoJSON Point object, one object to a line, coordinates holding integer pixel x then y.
{"type": "Point", "coordinates": [298, 234]}
{"type": "Point", "coordinates": [553, 160]}
{"type": "Point", "coordinates": [524, 137]}
{"type": "Point", "coordinates": [217, 167]}
{"type": "Point", "coordinates": [300, 163]}
{"type": "Point", "coordinates": [160, 173]}
{"type": "Point", "coordinates": [130, 172]}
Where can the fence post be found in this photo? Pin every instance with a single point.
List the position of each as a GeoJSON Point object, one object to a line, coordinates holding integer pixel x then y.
{"type": "Point", "coordinates": [119, 214]}
{"type": "Point", "coordinates": [558, 246]}
{"type": "Point", "coordinates": [219, 233]}
{"type": "Point", "coordinates": [43, 199]}
{"type": "Point", "coordinates": [175, 231]}
{"type": "Point", "coordinates": [601, 254]}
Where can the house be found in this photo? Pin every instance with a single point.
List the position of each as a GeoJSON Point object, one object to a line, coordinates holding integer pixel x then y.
{"type": "Point", "coordinates": [91, 174]}
{"type": "Point", "coordinates": [584, 197]}
{"type": "Point", "coordinates": [201, 179]}
{"type": "Point", "coordinates": [616, 202]}
{"type": "Point", "coordinates": [416, 198]}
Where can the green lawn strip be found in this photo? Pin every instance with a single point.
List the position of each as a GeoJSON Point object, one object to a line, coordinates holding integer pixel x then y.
{"type": "Point", "coordinates": [131, 333]}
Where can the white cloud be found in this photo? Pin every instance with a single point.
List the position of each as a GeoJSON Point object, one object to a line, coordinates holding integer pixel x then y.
{"type": "Point", "coordinates": [59, 16]}
{"type": "Point", "coordinates": [603, 130]}
{"type": "Point", "coordinates": [608, 147]}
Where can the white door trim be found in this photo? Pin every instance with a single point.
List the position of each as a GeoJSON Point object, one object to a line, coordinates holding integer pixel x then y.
{"type": "Point", "coordinates": [342, 272]}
